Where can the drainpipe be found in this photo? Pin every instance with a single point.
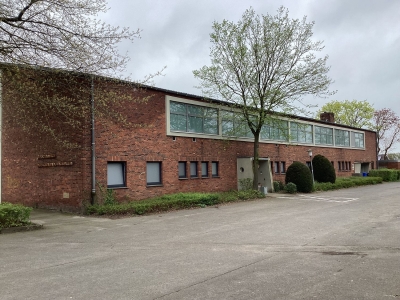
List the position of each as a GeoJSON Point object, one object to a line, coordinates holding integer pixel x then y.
{"type": "Point", "coordinates": [1, 127]}
{"type": "Point", "coordinates": [93, 153]}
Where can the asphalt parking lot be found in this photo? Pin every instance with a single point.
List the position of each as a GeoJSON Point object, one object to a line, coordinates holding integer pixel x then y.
{"type": "Point", "coordinates": [331, 245]}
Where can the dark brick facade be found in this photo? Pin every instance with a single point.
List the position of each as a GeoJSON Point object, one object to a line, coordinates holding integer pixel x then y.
{"type": "Point", "coordinates": [35, 173]}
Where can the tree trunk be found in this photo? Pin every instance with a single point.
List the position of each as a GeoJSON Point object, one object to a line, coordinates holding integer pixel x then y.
{"type": "Point", "coordinates": [256, 160]}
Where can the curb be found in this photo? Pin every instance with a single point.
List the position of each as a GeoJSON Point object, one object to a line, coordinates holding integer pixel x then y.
{"type": "Point", "coordinates": [30, 227]}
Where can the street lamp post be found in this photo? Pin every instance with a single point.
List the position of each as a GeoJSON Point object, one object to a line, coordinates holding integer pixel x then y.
{"type": "Point", "coordinates": [312, 169]}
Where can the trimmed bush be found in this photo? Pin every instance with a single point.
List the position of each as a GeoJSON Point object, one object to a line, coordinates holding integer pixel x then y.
{"type": "Point", "coordinates": [12, 215]}
{"type": "Point", "coordinates": [385, 174]}
{"type": "Point", "coordinates": [346, 182]}
{"type": "Point", "coordinates": [291, 188]}
{"type": "Point", "coordinates": [172, 202]}
{"type": "Point", "coordinates": [277, 186]}
{"type": "Point", "coordinates": [323, 169]}
{"type": "Point", "coordinates": [299, 174]}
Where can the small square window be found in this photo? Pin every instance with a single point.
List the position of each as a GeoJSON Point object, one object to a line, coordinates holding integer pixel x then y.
{"type": "Point", "coordinates": [215, 169]}
{"type": "Point", "coordinates": [193, 169]}
{"type": "Point", "coordinates": [204, 169]}
{"type": "Point", "coordinates": [116, 174]}
{"type": "Point", "coordinates": [182, 169]}
{"type": "Point", "coordinates": [153, 173]}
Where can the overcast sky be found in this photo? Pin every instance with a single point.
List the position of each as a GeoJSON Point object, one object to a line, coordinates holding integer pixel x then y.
{"type": "Point", "coordinates": [361, 37]}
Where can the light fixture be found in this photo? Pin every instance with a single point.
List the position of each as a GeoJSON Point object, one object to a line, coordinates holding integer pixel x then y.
{"type": "Point", "coordinates": [312, 169]}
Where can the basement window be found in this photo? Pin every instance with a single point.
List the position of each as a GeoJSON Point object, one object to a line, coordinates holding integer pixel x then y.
{"type": "Point", "coordinates": [116, 174]}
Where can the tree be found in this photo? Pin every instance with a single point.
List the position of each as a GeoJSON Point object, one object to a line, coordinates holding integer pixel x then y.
{"type": "Point", "coordinates": [61, 34]}
{"type": "Point", "coordinates": [353, 113]}
{"type": "Point", "coordinates": [66, 36]}
{"type": "Point", "coordinates": [387, 126]}
{"type": "Point", "coordinates": [263, 64]}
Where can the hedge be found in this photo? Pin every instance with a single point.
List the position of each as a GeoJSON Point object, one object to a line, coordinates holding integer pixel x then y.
{"type": "Point", "coordinates": [386, 174]}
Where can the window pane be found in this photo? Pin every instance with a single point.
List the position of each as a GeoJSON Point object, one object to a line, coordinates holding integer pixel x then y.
{"type": "Point", "coordinates": [182, 169]}
{"type": "Point", "coordinates": [210, 126]}
{"type": "Point", "coordinates": [214, 167]}
{"type": "Point", "coordinates": [153, 173]}
{"type": "Point", "coordinates": [211, 113]}
{"type": "Point", "coordinates": [204, 169]}
{"type": "Point", "coordinates": [227, 127]}
{"type": "Point", "coordinates": [194, 110]}
{"type": "Point", "coordinates": [115, 174]}
{"type": "Point", "coordinates": [195, 124]}
{"type": "Point", "coordinates": [193, 169]}
{"type": "Point", "coordinates": [276, 167]}
{"type": "Point", "coordinates": [178, 108]}
{"type": "Point", "coordinates": [178, 122]}
{"type": "Point", "coordinates": [283, 168]}
{"type": "Point", "coordinates": [266, 132]}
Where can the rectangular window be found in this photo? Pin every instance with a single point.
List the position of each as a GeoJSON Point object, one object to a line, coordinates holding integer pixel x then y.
{"type": "Point", "coordinates": [342, 137]}
{"type": "Point", "coordinates": [283, 167]}
{"type": "Point", "coordinates": [359, 140]}
{"type": "Point", "coordinates": [234, 124]}
{"type": "Point", "coordinates": [153, 173]}
{"type": "Point", "coordinates": [193, 118]}
{"type": "Point", "coordinates": [301, 133]}
{"type": "Point", "coordinates": [193, 169]}
{"type": "Point", "coordinates": [214, 169]}
{"type": "Point", "coordinates": [204, 169]}
{"type": "Point", "coordinates": [116, 174]}
{"type": "Point", "coordinates": [182, 169]}
{"type": "Point", "coordinates": [323, 135]}
{"type": "Point", "coordinates": [339, 166]}
{"type": "Point", "coordinates": [276, 167]}
{"type": "Point", "coordinates": [275, 130]}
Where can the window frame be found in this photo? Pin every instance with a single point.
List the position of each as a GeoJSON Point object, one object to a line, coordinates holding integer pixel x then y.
{"type": "Point", "coordinates": [123, 169]}
{"type": "Point", "coordinates": [154, 183]}
{"type": "Point", "coordinates": [184, 164]}
{"type": "Point", "coordinates": [342, 137]}
{"type": "Point", "coordinates": [216, 164]}
{"type": "Point", "coordinates": [196, 169]}
{"type": "Point", "coordinates": [204, 163]}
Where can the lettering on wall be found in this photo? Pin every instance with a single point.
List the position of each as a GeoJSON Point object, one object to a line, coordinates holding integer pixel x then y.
{"type": "Point", "coordinates": [56, 164]}
{"type": "Point", "coordinates": [52, 164]}
{"type": "Point", "coordinates": [46, 156]}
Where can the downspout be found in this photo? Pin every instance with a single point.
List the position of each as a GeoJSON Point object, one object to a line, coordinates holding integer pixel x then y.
{"type": "Point", "coordinates": [93, 153]}
{"type": "Point", "coordinates": [1, 128]}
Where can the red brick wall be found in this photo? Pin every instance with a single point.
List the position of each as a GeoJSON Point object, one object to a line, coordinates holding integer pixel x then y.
{"type": "Point", "coordinates": [389, 164]}
{"type": "Point", "coordinates": [67, 187]}
{"type": "Point", "coordinates": [35, 171]}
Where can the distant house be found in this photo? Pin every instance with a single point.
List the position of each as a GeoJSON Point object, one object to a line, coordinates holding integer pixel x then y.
{"type": "Point", "coordinates": [184, 143]}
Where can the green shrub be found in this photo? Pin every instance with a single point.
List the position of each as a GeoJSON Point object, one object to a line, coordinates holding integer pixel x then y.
{"type": "Point", "coordinates": [346, 183]}
{"type": "Point", "coordinates": [12, 215]}
{"type": "Point", "coordinates": [323, 169]}
{"type": "Point", "coordinates": [277, 186]}
{"type": "Point", "coordinates": [281, 185]}
{"type": "Point", "coordinates": [246, 184]}
{"type": "Point", "coordinates": [171, 202]}
{"type": "Point", "coordinates": [291, 188]}
{"type": "Point", "coordinates": [299, 174]}
{"type": "Point", "coordinates": [385, 174]}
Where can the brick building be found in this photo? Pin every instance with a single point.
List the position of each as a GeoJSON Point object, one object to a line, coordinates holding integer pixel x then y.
{"type": "Point", "coordinates": [177, 143]}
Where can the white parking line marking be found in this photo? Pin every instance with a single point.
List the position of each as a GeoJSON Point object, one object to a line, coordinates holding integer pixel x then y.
{"type": "Point", "coordinates": [327, 199]}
